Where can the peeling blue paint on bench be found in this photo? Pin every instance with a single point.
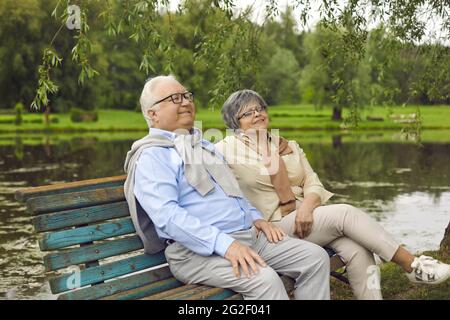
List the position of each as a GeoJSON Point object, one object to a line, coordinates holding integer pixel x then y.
{"type": "Point", "coordinates": [62, 259]}
{"type": "Point", "coordinates": [81, 216]}
{"type": "Point", "coordinates": [61, 239]}
{"type": "Point", "coordinates": [107, 271]}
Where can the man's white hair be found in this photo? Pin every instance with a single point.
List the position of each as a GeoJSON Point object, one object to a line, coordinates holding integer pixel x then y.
{"type": "Point", "coordinates": [148, 95]}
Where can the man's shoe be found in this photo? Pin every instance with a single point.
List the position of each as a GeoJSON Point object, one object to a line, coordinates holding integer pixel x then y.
{"type": "Point", "coordinates": [428, 270]}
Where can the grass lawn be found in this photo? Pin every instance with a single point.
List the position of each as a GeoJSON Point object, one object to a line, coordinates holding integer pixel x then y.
{"type": "Point", "coordinates": [109, 120]}
{"type": "Point", "coordinates": [285, 117]}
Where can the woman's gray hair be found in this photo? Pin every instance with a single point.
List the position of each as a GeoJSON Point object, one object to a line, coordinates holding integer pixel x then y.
{"type": "Point", "coordinates": [148, 96]}
{"type": "Point", "coordinates": [236, 103]}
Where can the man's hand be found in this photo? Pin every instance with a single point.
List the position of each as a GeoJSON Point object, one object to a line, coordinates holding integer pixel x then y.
{"type": "Point", "coordinates": [273, 233]}
{"type": "Point", "coordinates": [303, 222]}
{"type": "Point", "coordinates": [240, 254]}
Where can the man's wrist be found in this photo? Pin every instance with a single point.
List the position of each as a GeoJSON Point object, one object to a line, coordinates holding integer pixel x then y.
{"type": "Point", "coordinates": [223, 242]}
{"type": "Point", "coordinates": [258, 221]}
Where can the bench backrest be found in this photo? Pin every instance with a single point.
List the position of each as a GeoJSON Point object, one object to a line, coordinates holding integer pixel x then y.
{"type": "Point", "coordinates": [88, 236]}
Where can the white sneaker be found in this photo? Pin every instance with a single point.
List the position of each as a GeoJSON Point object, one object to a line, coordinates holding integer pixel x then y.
{"type": "Point", "coordinates": [428, 270]}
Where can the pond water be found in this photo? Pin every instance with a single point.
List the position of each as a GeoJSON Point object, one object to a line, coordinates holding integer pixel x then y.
{"type": "Point", "coordinates": [405, 186]}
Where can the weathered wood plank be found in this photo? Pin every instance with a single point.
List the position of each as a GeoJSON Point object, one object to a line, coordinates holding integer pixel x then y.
{"type": "Point", "coordinates": [118, 285]}
{"type": "Point", "coordinates": [172, 292]}
{"type": "Point", "coordinates": [107, 271]}
{"type": "Point", "coordinates": [62, 259]}
{"type": "Point", "coordinates": [187, 294]}
{"type": "Point", "coordinates": [192, 292]}
{"type": "Point", "coordinates": [74, 200]}
{"type": "Point", "coordinates": [61, 239]}
{"type": "Point", "coordinates": [201, 292]}
{"type": "Point", "coordinates": [77, 217]}
{"type": "Point", "coordinates": [60, 188]}
{"type": "Point", "coordinates": [146, 290]}
{"type": "Point", "coordinates": [210, 294]}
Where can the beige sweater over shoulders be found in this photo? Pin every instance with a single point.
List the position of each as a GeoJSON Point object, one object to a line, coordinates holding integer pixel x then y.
{"type": "Point", "coordinates": [255, 182]}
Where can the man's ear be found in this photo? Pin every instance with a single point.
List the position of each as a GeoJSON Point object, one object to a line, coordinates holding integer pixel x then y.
{"type": "Point", "coordinates": [152, 114]}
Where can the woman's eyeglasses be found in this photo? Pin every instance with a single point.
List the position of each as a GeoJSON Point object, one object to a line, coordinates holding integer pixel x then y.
{"type": "Point", "coordinates": [251, 112]}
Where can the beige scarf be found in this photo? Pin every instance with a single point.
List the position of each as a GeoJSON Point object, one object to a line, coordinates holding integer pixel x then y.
{"type": "Point", "coordinates": [279, 178]}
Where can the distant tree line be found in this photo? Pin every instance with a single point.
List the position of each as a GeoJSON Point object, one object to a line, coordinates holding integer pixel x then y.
{"type": "Point", "coordinates": [286, 66]}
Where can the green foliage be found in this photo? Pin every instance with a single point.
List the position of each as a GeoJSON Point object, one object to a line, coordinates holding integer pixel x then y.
{"type": "Point", "coordinates": [21, 43]}
{"type": "Point", "coordinates": [214, 50]}
{"type": "Point", "coordinates": [46, 85]}
{"type": "Point", "coordinates": [332, 76]}
{"type": "Point", "coordinates": [282, 75]}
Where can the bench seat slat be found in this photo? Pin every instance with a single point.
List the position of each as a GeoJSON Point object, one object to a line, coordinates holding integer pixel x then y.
{"type": "Point", "coordinates": [210, 294]}
{"type": "Point", "coordinates": [118, 285]}
{"type": "Point", "coordinates": [191, 292]}
{"type": "Point", "coordinates": [77, 217]}
{"type": "Point", "coordinates": [107, 271]}
{"type": "Point", "coordinates": [172, 292]}
{"type": "Point", "coordinates": [61, 239]}
{"type": "Point", "coordinates": [23, 195]}
{"type": "Point", "coordinates": [74, 200]}
{"type": "Point", "coordinates": [202, 292]}
{"type": "Point", "coordinates": [57, 260]}
{"type": "Point", "coordinates": [186, 294]}
{"type": "Point", "coordinates": [146, 290]}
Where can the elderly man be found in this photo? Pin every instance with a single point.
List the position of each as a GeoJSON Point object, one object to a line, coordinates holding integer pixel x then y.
{"type": "Point", "coordinates": [180, 187]}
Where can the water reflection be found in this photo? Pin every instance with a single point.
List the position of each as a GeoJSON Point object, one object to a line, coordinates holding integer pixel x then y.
{"type": "Point", "coordinates": [402, 185]}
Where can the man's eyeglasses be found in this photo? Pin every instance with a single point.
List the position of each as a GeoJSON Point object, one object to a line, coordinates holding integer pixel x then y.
{"type": "Point", "coordinates": [177, 98]}
{"type": "Point", "coordinates": [251, 112]}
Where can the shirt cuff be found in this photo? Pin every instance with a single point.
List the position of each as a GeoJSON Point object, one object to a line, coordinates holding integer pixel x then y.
{"type": "Point", "coordinates": [223, 241]}
{"type": "Point", "coordinates": [320, 191]}
{"type": "Point", "coordinates": [255, 214]}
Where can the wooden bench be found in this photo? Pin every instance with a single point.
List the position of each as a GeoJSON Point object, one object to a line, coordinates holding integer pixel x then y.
{"type": "Point", "coordinates": [93, 252]}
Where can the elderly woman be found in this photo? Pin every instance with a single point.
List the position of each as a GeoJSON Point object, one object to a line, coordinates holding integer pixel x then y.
{"type": "Point", "coordinates": [275, 176]}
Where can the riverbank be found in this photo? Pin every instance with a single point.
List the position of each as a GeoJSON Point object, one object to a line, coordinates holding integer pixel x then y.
{"type": "Point", "coordinates": [302, 136]}
{"type": "Point", "coordinates": [285, 117]}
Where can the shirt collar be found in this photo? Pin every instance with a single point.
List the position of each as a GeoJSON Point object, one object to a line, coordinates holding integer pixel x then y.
{"type": "Point", "coordinates": [168, 134]}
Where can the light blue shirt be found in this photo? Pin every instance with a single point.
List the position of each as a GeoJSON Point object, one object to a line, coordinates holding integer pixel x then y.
{"type": "Point", "coordinates": [179, 212]}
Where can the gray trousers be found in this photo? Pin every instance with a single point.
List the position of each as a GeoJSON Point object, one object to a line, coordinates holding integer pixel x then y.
{"type": "Point", "coordinates": [305, 262]}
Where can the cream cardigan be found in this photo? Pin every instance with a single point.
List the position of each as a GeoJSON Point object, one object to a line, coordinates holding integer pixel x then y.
{"type": "Point", "coordinates": [254, 180]}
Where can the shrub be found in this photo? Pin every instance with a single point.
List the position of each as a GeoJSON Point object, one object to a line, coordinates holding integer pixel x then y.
{"type": "Point", "coordinates": [76, 115]}
{"type": "Point", "coordinates": [79, 115]}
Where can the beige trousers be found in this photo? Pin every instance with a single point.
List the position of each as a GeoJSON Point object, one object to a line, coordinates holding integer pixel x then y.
{"type": "Point", "coordinates": [355, 237]}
